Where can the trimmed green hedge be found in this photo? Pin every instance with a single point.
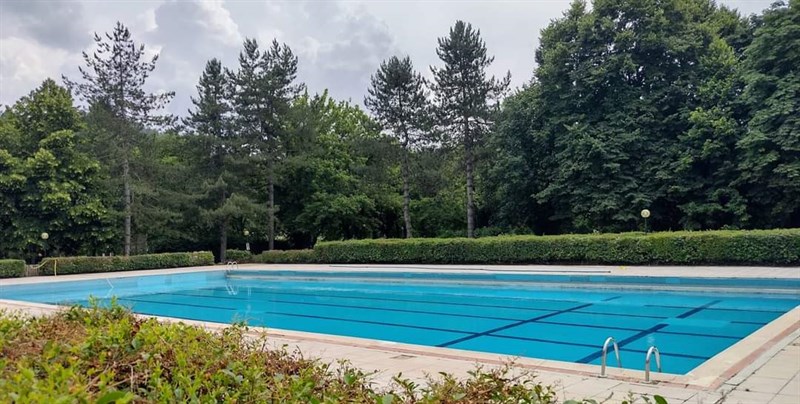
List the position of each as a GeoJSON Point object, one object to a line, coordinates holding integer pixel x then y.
{"type": "Point", "coordinates": [756, 247]}
{"type": "Point", "coordinates": [286, 257]}
{"type": "Point", "coordinates": [80, 265]}
{"type": "Point", "coordinates": [240, 256]}
{"type": "Point", "coordinates": [12, 268]}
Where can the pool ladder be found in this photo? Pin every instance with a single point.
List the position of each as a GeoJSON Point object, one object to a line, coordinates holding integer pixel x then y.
{"type": "Point", "coordinates": [609, 340]}
{"type": "Point", "coordinates": [231, 266]}
{"type": "Point", "coordinates": [652, 350]}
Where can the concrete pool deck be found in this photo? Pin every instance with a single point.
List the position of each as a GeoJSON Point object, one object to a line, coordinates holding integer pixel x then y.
{"type": "Point", "coordinates": [762, 368]}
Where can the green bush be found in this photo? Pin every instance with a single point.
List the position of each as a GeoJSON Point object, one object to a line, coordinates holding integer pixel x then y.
{"type": "Point", "coordinates": [735, 247]}
{"type": "Point", "coordinates": [286, 257]}
{"type": "Point", "coordinates": [80, 265]}
{"type": "Point", "coordinates": [12, 268]}
{"type": "Point", "coordinates": [240, 256]}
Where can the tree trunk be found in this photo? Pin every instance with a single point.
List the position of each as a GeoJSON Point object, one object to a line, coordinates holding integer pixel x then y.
{"type": "Point", "coordinates": [470, 183]}
{"type": "Point", "coordinates": [223, 240]}
{"type": "Point", "coordinates": [470, 197]}
{"type": "Point", "coordinates": [271, 210]}
{"type": "Point", "coordinates": [406, 197]}
{"type": "Point", "coordinates": [126, 183]}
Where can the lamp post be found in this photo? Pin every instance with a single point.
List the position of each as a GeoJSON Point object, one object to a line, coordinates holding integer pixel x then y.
{"type": "Point", "coordinates": [44, 237]}
{"type": "Point", "coordinates": [247, 236]}
{"type": "Point", "coordinates": [645, 214]}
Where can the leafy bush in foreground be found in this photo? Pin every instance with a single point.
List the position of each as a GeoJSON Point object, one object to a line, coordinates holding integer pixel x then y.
{"type": "Point", "coordinates": [12, 268]}
{"type": "Point", "coordinates": [758, 247]}
{"type": "Point", "coordinates": [109, 355]}
{"type": "Point", "coordinates": [80, 265]}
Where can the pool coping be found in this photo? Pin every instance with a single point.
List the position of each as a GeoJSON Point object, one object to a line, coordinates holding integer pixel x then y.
{"type": "Point", "coordinates": [710, 375]}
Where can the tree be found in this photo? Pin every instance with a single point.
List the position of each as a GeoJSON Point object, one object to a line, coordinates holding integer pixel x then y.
{"type": "Point", "coordinates": [398, 99]}
{"type": "Point", "coordinates": [263, 89]}
{"type": "Point", "coordinates": [465, 98]}
{"type": "Point", "coordinates": [113, 81]}
{"type": "Point", "coordinates": [47, 183]}
{"type": "Point", "coordinates": [211, 122]}
{"type": "Point", "coordinates": [770, 162]}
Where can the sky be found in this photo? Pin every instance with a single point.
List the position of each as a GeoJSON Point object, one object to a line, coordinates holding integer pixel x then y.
{"type": "Point", "coordinates": [339, 43]}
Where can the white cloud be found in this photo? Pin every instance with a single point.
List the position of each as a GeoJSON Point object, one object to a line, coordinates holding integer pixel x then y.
{"type": "Point", "coordinates": [339, 43]}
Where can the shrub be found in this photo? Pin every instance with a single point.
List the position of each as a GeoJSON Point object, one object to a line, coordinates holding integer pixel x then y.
{"type": "Point", "coordinates": [80, 265]}
{"type": "Point", "coordinates": [12, 268]}
{"type": "Point", "coordinates": [286, 257]}
{"type": "Point", "coordinates": [757, 247]}
{"type": "Point", "coordinates": [238, 256]}
{"type": "Point", "coordinates": [103, 355]}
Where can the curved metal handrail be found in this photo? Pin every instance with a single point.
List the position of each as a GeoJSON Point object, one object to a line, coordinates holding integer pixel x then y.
{"type": "Point", "coordinates": [605, 354]}
{"type": "Point", "coordinates": [647, 362]}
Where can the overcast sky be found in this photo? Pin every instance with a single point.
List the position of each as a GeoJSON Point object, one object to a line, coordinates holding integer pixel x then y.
{"type": "Point", "coordinates": [339, 43]}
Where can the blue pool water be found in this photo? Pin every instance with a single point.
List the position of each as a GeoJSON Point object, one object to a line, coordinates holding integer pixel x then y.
{"type": "Point", "coordinates": [563, 318]}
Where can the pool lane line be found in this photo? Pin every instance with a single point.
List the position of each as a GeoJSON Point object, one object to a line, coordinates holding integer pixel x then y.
{"type": "Point", "coordinates": [725, 309]}
{"type": "Point", "coordinates": [299, 315]}
{"type": "Point", "coordinates": [519, 323]}
{"type": "Point", "coordinates": [437, 313]}
{"type": "Point", "coordinates": [515, 272]}
{"type": "Point", "coordinates": [265, 292]}
{"type": "Point", "coordinates": [608, 327]}
{"type": "Point", "coordinates": [642, 334]}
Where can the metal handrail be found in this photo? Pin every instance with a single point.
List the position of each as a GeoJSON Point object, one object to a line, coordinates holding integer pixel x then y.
{"type": "Point", "coordinates": [647, 362]}
{"type": "Point", "coordinates": [605, 354]}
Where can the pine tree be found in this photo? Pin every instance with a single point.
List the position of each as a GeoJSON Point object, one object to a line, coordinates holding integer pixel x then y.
{"type": "Point", "coordinates": [264, 87]}
{"type": "Point", "coordinates": [465, 98]}
{"type": "Point", "coordinates": [113, 80]}
{"type": "Point", "coordinates": [211, 122]}
{"type": "Point", "coordinates": [399, 101]}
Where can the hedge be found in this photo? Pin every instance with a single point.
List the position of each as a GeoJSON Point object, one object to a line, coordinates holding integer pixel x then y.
{"type": "Point", "coordinates": [240, 256]}
{"type": "Point", "coordinates": [739, 247]}
{"type": "Point", "coordinates": [286, 257]}
{"type": "Point", "coordinates": [12, 268]}
{"type": "Point", "coordinates": [80, 265]}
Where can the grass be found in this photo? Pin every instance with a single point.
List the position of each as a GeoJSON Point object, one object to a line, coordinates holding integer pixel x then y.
{"type": "Point", "coordinates": [108, 355]}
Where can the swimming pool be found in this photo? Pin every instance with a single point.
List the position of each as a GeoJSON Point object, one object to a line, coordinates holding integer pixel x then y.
{"type": "Point", "coordinates": [557, 317]}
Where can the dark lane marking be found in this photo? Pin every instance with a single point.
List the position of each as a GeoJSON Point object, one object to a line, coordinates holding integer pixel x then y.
{"type": "Point", "coordinates": [305, 316]}
{"type": "Point", "coordinates": [642, 334]}
{"type": "Point", "coordinates": [611, 298]}
{"type": "Point", "coordinates": [457, 315]}
{"type": "Point", "coordinates": [519, 323]}
{"type": "Point", "coordinates": [577, 344]}
{"type": "Point", "coordinates": [269, 293]}
{"type": "Point", "coordinates": [698, 309]}
{"type": "Point", "coordinates": [346, 306]}
{"type": "Point", "coordinates": [722, 309]}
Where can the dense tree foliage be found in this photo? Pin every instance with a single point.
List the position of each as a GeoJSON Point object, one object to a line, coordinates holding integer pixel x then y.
{"type": "Point", "coordinates": [651, 105]}
{"type": "Point", "coordinates": [682, 107]}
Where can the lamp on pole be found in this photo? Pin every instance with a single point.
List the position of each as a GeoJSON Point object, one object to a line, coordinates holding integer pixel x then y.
{"type": "Point", "coordinates": [44, 236]}
{"type": "Point", "coordinates": [247, 236]}
{"type": "Point", "coordinates": [645, 214]}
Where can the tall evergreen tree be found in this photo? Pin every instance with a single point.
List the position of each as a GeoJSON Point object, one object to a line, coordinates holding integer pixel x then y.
{"type": "Point", "coordinates": [211, 121]}
{"type": "Point", "coordinates": [264, 87]}
{"type": "Point", "coordinates": [397, 97]}
{"type": "Point", "coordinates": [113, 81]}
{"type": "Point", "coordinates": [466, 98]}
